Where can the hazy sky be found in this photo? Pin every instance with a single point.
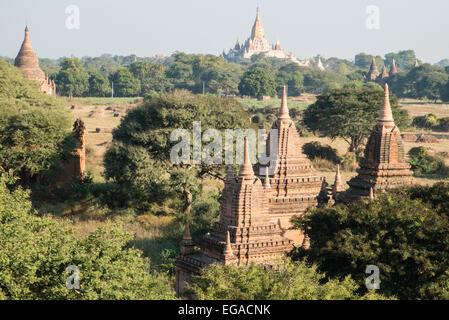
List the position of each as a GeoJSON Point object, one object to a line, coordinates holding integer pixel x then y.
{"type": "Point", "coordinates": [147, 27]}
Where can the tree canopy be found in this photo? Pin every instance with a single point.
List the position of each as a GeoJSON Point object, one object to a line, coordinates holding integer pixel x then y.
{"type": "Point", "coordinates": [257, 82]}
{"type": "Point", "coordinates": [36, 253]}
{"type": "Point", "coordinates": [287, 280]}
{"type": "Point", "coordinates": [406, 239]}
{"type": "Point", "coordinates": [34, 127]}
{"type": "Point", "coordinates": [350, 114]}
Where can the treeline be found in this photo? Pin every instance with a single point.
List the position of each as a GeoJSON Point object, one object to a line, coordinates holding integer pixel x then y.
{"type": "Point", "coordinates": [259, 76]}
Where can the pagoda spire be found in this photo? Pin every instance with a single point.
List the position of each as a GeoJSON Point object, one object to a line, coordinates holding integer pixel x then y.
{"type": "Point", "coordinates": [267, 179]}
{"type": "Point", "coordinates": [393, 69]}
{"type": "Point", "coordinates": [187, 245]}
{"type": "Point", "coordinates": [257, 31]}
{"type": "Point", "coordinates": [416, 63]}
{"type": "Point", "coordinates": [26, 59]}
{"type": "Point", "coordinates": [373, 67]}
{"type": "Point", "coordinates": [371, 194]}
{"type": "Point", "coordinates": [386, 115]}
{"type": "Point", "coordinates": [338, 184]}
{"type": "Point", "coordinates": [384, 72]}
{"type": "Point", "coordinates": [284, 113]}
{"type": "Point", "coordinates": [228, 249]}
{"type": "Point", "coordinates": [246, 171]}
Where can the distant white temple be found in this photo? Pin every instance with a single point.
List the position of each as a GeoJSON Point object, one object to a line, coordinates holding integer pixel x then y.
{"type": "Point", "coordinates": [257, 43]}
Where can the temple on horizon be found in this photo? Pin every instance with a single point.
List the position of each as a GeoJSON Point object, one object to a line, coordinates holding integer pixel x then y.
{"type": "Point", "coordinates": [257, 43]}
{"type": "Point", "coordinates": [28, 64]}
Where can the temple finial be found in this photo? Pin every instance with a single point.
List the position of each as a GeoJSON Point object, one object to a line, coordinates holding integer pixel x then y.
{"type": "Point", "coordinates": [338, 184]}
{"type": "Point", "coordinates": [371, 194]}
{"type": "Point", "coordinates": [416, 63]}
{"type": "Point", "coordinates": [187, 236]}
{"type": "Point", "coordinates": [284, 113]}
{"type": "Point", "coordinates": [247, 169]}
{"type": "Point", "coordinates": [386, 115]}
{"type": "Point", "coordinates": [393, 69]}
{"type": "Point", "coordinates": [228, 249]}
{"type": "Point", "coordinates": [267, 179]}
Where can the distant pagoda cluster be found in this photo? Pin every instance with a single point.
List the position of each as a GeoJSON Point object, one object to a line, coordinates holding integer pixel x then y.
{"type": "Point", "coordinates": [257, 43]}
{"type": "Point", "coordinates": [28, 64]}
{"type": "Point", "coordinates": [256, 209]}
{"type": "Point", "coordinates": [381, 77]}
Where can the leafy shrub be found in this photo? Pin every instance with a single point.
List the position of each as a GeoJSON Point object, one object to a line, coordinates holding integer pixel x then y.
{"type": "Point", "coordinates": [427, 121]}
{"type": "Point", "coordinates": [314, 150]}
{"type": "Point", "coordinates": [423, 162]}
{"type": "Point", "coordinates": [443, 124]}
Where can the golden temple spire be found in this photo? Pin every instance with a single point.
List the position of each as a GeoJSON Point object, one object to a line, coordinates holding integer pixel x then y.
{"type": "Point", "coordinates": [258, 31]}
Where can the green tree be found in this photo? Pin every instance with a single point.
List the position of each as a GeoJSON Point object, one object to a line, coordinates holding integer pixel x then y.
{"type": "Point", "coordinates": [139, 157]}
{"type": "Point", "coordinates": [257, 82]}
{"type": "Point", "coordinates": [152, 77]}
{"type": "Point", "coordinates": [98, 85]}
{"type": "Point", "coordinates": [34, 127]}
{"type": "Point", "coordinates": [427, 81]}
{"type": "Point", "coordinates": [402, 237]}
{"type": "Point", "coordinates": [350, 114]}
{"type": "Point", "coordinates": [73, 79]}
{"type": "Point", "coordinates": [36, 252]}
{"type": "Point", "coordinates": [404, 59]}
{"type": "Point", "coordinates": [125, 84]}
{"type": "Point", "coordinates": [363, 60]}
{"type": "Point", "coordinates": [286, 281]}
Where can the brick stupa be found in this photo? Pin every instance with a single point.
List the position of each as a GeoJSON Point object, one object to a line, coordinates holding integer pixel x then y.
{"type": "Point", "coordinates": [384, 165]}
{"type": "Point", "coordinates": [244, 234]}
{"type": "Point", "coordinates": [295, 186]}
{"type": "Point", "coordinates": [393, 69]}
{"type": "Point", "coordinates": [373, 72]}
{"type": "Point", "coordinates": [28, 64]}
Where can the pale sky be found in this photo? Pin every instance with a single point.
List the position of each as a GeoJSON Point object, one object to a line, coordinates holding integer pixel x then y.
{"type": "Point", "coordinates": [327, 27]}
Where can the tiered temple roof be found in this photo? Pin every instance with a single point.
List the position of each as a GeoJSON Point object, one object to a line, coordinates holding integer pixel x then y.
{"type": "Point", "coordinates": [295, 186]}
{"type": "Point", "coordinates": [384, 165]}
{"type": "Point", "coordinates": [245, 232]}
{"type": "Point", "coordinates": [28, 63]}
{"type": "Point", "coordinates": [255, 210]}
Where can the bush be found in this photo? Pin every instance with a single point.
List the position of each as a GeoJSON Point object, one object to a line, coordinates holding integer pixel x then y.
{"type": "Point", "coordinates": [423, 162]}
{"type": "Point", "coordinates": [443, 124]}
{"type": "Point", "coordinates": [426, 122]}
{"type": "Point", "coordinates": [314, 150]}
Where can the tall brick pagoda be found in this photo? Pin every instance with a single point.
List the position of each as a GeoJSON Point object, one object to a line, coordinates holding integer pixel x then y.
{"type": "Point", "coordinates": [384, 165]}
{"type": "Point", "coordinates": [244, 234]}
{"type": "Point", "coordinates": [393, 69]}
{"type": "Point", "coordinates": [373, 72]}
{"type": "Point", "coordinates": [295, 186]}
{"type": "Point", "coordinates": [28, 63]}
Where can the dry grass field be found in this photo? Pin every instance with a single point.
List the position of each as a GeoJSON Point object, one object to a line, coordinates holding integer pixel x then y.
{"type": "Point", "coordinates": [106, 113]}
